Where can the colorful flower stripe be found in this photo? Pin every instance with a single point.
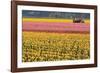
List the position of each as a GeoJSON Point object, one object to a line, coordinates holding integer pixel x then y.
{"type": "Point", "coordinates": [56, 27]}
{"type": "Point", "coordinates": [87, 21]}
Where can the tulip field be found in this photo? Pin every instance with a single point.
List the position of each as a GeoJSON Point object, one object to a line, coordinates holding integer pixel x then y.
{"type": "Point", "coordinates": [55, 36]}
{"type": "Point", "coordinates": [51, 46]}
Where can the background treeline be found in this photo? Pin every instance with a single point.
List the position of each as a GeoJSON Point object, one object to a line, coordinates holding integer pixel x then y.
{"type": "Point", "coordinates": [52, 14]}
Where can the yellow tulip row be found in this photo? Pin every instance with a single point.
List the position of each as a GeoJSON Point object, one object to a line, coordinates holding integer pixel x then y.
{"type": "Point", "coordinates": [42, 46]}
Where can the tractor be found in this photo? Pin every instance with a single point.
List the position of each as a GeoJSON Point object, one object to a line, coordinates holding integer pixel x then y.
{"type": "Point", "coordinates": [78, 20]}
